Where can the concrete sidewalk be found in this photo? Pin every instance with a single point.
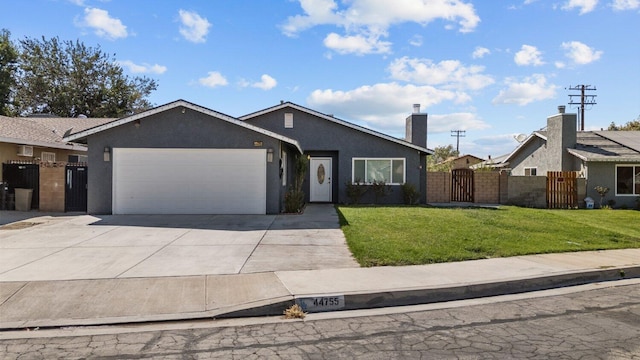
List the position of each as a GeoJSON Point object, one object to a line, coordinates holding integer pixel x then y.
{"type": "Point", "coordinates": [125, 300]}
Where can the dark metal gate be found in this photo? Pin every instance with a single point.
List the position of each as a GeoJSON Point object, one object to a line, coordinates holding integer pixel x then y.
{"type": "Point", "coordinates": [75, 196]}
{"type": "Point", "coordinates": [23, 176]}
{"type": "Point", "coordinates": [462, 185]}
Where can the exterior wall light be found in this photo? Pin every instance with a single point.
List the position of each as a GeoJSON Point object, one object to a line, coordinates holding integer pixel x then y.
{"type": "Point", "coordinates": [269, 155]}
{"type": "Point", "coordinates": [107, 153]}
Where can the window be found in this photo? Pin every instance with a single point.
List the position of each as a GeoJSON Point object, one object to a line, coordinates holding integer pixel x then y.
{"type": "Point", "coordinates": [288, 120]}
{"type": "Point", "coordinates": [531, 171]}
{"type": "Point", "coordinates": [48, 156]}
{"type": "Point", "coordinates": [627, 180]}
{"type": "Point", "coordinates": [391, 171]}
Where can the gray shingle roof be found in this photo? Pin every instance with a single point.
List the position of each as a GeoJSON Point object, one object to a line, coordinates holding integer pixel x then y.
{"type": "Point", "coordinates": [44, 131]}
{"type": "Point", "coordinates": [603, 146]}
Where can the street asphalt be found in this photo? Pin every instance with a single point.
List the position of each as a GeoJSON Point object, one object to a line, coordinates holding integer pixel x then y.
{"type": "Point", "coordinates": [64, 270]}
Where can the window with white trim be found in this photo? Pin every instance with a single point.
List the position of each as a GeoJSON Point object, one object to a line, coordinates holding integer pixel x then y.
{"type": "Point", "coordinates": [530, 171]}
{"type": "Point", "coordinates": [367, 170]}
{"type": "Point", "coordinates": [48, 156]}
{"type": "Point", "coordinates": [628, 180]}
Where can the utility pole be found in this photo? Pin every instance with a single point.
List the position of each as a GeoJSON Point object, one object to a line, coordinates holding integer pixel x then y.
{"type": "Point", "coordinates": [584, 100]}
{"type": "Point", "coordinates": [458, 134]}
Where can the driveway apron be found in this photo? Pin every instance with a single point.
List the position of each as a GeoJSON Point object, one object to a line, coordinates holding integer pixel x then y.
{"type": "Point", "coordinates": [42, 248]}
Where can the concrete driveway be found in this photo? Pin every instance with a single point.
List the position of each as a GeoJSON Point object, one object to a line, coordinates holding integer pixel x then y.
{"type": "Point", "coordinates": [66, 247]}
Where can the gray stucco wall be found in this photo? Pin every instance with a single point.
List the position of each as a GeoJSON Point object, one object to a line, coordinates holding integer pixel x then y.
{"type": "Point", "coordinates": [537, 154]}
{"type": "Point", "coordinates": [174, 129]}
{"type": "Point", "coordinates": [321, 137]}
{"type": "Point", "coordinates": [604, 174]}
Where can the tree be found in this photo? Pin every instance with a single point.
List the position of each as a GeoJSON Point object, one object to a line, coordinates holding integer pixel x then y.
{"type": "Point", "coordinates": [8, 65]}
{"type": "Point", "coordinates": [68, 79]}
{"type": "Point", "coordinates": [630, 126]}
{"type": "Point", "coordinates": [440, 154]}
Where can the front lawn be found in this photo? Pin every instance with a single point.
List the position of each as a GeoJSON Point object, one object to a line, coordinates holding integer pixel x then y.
{"type": "Point", "coordinates": [380, 236]}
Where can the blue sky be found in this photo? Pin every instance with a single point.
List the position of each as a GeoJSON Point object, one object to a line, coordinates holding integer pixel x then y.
{"type": "Point", "coordinates": [492, 68]}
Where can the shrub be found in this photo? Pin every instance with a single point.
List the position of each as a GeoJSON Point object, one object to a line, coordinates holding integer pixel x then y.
{"type": "Point", "coordinates": [355, 191]}
{"type": "Point", "coordinates": [380, 190]}
{"type": "Point", "coordinates": [602, 191]}
{"type": "Point", "coordinates": [293, 201]}
{"type": "Point", "coordinates": [294, 198]}
{"type": "Point", "coordinates": [410, 194]}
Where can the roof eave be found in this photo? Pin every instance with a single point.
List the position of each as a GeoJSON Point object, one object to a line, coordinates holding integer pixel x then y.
{"type": "Point", "coordinates": [337, 121]}
{"type": "Point", "coordinates": [175, 104]}
{"type": "Point", "coordinates": [63, 146]}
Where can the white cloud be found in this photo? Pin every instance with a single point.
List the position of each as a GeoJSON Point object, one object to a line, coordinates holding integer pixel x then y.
{"type": "Point", "coordinates": [213, 79]}
{"type": "Point", "coordinates": [439, 123]}
{"type": "Point", "coordinates": [621, 5]}
{"type": "Point", "coordinates": [480, 52]}
{"type": "Point", "coordinates": [416, 41]}
{"type": "Point", "coordinates": [103, 24]}
{"type": "Point", "coordinates": [495, 146]}
{"type": "Point", "coordinates": [528, 55]}
{"type": "Point", "coordinates": [194, 27]}
{"type": "Point", "coordinates": [585, 6]}
{"type": "Point", "coordinates": [143, 68]}
{"type": "Point", "coordinates": [448, 73]}
{"type": "Point", "coordinates": [366, 21]}
{"type": "Point", "coordinates": [364, 103]}
{"type": "Point", "coordinates": [560, 64]}
{"type": "Point", "coordinates": [356, 44]}
{"type": "Point", "coordinates": [266, 83]}
{"type": "Point", "coordinates": [580, 53]}
{"type": "Point", "coordinates": [530, 89]}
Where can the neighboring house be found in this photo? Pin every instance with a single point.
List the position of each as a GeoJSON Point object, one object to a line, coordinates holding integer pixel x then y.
{"type": "Point", "coordinates": [496, 163]}
{"type": "Point", "coordinates": [184, 158]}
{"type": "Point", "coordinates": [348, 153]}
{"type": "Point", "coordinates": [34, 139]}
{"type": "Point", "coordinates": [461, 162]}
{"type": "Point", "coordinates": [31, 141]}
{"type": "Point", "coordinates": [605, 158]}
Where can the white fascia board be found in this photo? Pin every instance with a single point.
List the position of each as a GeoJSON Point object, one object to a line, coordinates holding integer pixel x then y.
{"type": "Point", "coordinates": [337, 121]}
{"type": "Point", "coordinates": [67, 146]}
{"type": "Point", "coordinates": [185, 104]}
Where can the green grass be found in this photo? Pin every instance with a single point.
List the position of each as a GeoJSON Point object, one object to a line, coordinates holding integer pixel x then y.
{"type": "Point", "coordinates": [379, 236]}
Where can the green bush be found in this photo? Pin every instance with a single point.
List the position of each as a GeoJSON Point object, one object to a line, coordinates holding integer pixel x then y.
{"type": "Point", "coordinates": [294, 198]}
{"type": "Point", "coordinates": [410, 194]}
{"type": "Point", "coordinates": [380, 190]}
{"type": "Point", "coordinates": [355, 191]}
{"type": "Point", "coordinates": [293, 201]}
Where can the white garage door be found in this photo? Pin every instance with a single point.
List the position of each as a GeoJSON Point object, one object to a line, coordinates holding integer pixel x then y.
{"type": "Point", "coordinates": [189, 181]}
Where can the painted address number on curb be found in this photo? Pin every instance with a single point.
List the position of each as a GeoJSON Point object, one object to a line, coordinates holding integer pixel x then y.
{"type": "Point", "coordinates": [321, 303]}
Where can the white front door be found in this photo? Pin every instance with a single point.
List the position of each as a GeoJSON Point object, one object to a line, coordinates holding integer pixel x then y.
{"type": "Point", "coordinates": [320, 178]}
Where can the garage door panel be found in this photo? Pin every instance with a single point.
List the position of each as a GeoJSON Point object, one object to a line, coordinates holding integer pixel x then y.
{"type": "Point", "coordinates": [189, 181]}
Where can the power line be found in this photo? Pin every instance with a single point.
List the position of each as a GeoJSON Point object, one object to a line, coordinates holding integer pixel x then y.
{"type": "Point", "coordinates": [584, 100]}
{"type": "Point", "coordinates": [458, 134]}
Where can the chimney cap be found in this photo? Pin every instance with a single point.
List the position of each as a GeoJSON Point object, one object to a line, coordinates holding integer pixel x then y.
{"type": "Point", "coordinates": [416, 108]}
{"type": "Point", "coordinates": [561, 109]}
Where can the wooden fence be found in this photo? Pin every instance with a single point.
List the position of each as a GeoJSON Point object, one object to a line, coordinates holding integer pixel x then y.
{"type": "Point", "coordinates": [562, 189]}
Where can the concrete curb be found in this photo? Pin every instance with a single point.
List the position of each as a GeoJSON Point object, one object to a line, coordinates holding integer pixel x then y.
{"type": "Point", "coordinates": [358, 300]}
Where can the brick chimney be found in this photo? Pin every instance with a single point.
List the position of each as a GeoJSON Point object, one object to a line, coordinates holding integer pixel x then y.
{"type": "Point", "coordinates": [416, 127]}
{"type": "Point", "coordinates": [561, 135]}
